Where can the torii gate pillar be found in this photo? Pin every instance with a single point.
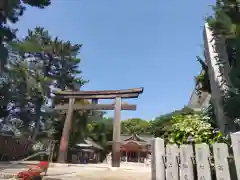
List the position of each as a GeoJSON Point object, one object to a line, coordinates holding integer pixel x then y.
{"type": "Point", "coordinates": [116, 133]}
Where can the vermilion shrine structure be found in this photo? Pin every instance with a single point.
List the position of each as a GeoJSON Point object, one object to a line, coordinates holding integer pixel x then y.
{"type": "Point", "coordinates": [134, 148]}
{"type": "Point", "coordinates": [94, 96]}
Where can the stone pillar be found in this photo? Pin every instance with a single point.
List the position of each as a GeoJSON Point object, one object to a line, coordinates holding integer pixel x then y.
{"type": "Point", "coordinates": [158, 166]}
{"type": "Point", "coordinates": [98, 157]}
{"type": "Point", "coordinates": [126, 156]}
{"type": "Point", "coordinates": [121, 155]}
{"type": "Point", "coordinates": [215, 52]}
{"type": "Point", "coordinates": [139, 153]}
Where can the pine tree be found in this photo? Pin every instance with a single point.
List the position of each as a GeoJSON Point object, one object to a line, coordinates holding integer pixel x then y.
{"type": "Point", "coordinates": [10, 11]}
{"type": "Point", "coordinates": [50, 62]}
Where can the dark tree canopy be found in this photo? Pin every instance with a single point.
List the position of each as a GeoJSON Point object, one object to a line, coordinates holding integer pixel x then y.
{"type": "Point", "coordinates": [11, 10]}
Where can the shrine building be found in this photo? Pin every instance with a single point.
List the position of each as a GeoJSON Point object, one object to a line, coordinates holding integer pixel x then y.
{"type": "Point", "coordinates": [134, 148]}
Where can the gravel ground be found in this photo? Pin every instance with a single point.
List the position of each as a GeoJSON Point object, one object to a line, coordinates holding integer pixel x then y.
{"type": "Point", "coordinates": [102, 174]}
{"type": "Point", "coordinates": [118, 174]}
{"type": "Point", "coordinates": [91, 173]}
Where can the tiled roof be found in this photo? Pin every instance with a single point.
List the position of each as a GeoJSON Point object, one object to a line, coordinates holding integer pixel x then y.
{"type": "Point", "coordinates": [142, 139]}
{"type": "Point", "coordinates": [91, 142]}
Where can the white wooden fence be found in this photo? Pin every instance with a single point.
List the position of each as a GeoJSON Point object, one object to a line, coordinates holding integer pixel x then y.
{"type": "Point", "coordinates": [196, 162]}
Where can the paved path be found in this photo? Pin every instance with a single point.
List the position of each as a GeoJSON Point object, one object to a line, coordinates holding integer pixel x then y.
{"type": "Point", "coordinates": [90, 171]}
{"type": "Point", "coordinates": [103, 174]}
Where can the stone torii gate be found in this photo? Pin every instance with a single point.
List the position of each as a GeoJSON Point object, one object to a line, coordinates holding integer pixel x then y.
{"type": "Point", "coordinates": [94, 96]}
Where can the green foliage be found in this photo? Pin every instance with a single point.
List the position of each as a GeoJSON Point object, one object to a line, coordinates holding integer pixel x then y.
{"type": "Point", "coordinates": [101, 131]}
{"type": "Point", "coordinates": [21, 87]}
{"type": "Point", "coordinates": [202, 80]}
{"type": "Point", "coordinates": [162, 123]}
{"type": "Point", "coordinates": [174, 127]}
{"type": "Point", "coordinates": [233, 97]}
{"type": "Point", "coordinates": [136, 126]}
{"type": "Point", "coordinates": [11, 12]}
{"type": "Point", "coordinates": [45, 63]}
{"type": "Point", "coordinates": [210, 113]}
{"type": "Point", "coordinates": [81, 127]}
{"type": "Point", "coordinates": [185, 126]}
{"type": "Point", "coordinates": [225, 20]}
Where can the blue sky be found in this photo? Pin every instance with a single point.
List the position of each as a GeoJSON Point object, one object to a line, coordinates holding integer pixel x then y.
{"type": "Point", "coordinates": [132, 43]}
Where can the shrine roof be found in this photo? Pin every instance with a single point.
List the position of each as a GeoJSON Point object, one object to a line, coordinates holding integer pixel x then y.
{"type": "Point", "coordinates": [91, 143]}
{"type": "Point", "coordinates": [142, 139]}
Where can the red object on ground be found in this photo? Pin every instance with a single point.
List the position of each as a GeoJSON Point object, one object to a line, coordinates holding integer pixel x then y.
{"type": "Point", "coordinates": [43, 164]}
{"type": "Point", "coordinates": [27, 175]}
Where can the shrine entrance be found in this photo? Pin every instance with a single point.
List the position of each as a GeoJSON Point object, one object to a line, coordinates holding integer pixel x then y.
{"type": "Point", "coordinates": [133, 156]}
{"type": "Point", "coordinates": [134, 148]}
{"type": "Point", "coordinates": [131, 151]}
{"type": "Point", "coordinates": [68, 105]}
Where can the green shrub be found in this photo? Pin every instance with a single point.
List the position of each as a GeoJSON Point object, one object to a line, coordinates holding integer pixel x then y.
{"type": "Point", "coordinates": [196, 126]}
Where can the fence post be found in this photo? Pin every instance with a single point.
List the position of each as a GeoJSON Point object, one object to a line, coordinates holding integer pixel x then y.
{"type": "Point", "coordinates": [172, 155]}
{"type": "Point", "coordinates": [202, 159]}
{"type": "Point", "coordinates": [220, 152]}
{"type": "Point", "coordinates": [186, 155]}
{"type": "Point", "coordinates": [235, 137]}
{"type": "Point", "coordinates": [158, 156]}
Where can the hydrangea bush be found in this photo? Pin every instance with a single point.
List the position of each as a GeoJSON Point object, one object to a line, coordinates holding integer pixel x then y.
{"type": "Point", "coordinates": [195, 126]}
